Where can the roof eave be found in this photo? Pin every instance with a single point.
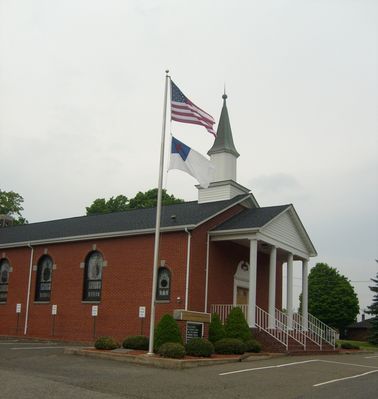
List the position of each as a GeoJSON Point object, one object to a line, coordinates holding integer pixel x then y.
{"type": "Point", "coordinates": [86, 237]}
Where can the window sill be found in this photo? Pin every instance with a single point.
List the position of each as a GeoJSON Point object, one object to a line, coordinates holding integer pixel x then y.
{"type": "Point", "coordinates": [162, 301]}
{"type": "Point", "coordinates": [91, 302]}
{"type": "Point", "coordinates": [41, 302]}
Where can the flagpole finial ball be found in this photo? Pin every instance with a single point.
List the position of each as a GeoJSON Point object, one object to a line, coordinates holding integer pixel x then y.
{"type": "Point", "coordinates": [224, 96]}
{"type": "Point", "coordinates": [167, 71]}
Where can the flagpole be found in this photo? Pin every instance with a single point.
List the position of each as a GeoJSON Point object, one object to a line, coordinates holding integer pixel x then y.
{"type": "Point", "coordinates": [158, 219]}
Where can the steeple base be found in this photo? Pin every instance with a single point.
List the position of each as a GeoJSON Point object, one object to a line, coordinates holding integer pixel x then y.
{"type": "Point", "coordinates": [220, 190]}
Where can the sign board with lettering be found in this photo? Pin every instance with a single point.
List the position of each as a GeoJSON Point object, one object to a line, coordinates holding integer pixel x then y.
{"type": "Point", "coordinates": [194, 330]}
{"type": "Point", "coordinates": [54, 309]}
{"type": "Point", "coordinates": [142, 312]}
{"type": "Point", "coordinates": [18, 308]}
{"type": "Point", "coordinates": [94, 310]}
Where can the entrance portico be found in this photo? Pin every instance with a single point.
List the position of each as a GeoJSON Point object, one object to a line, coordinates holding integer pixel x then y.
{"type": "Point", "coordinates": [265, 241]}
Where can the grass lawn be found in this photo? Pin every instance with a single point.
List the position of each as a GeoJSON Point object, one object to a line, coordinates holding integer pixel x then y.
{"type": "Point", "coordinates": [362, 344]}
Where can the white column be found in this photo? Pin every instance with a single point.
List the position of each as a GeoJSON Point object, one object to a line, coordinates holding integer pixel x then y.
{"type": "Point", "coordinates": [252, 283]}
{"type": "Point", "coordinates": [289, 291]}
{"type": "Point", "coordinates": [272, 286]}
{"type": "Point", "coordinates": [305, 294]}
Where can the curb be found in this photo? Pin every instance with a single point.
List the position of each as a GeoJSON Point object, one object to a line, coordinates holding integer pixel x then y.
{"type": "Point", "coordinates": [153, 361]}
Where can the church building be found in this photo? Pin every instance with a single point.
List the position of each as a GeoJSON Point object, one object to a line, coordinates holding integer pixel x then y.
{"type": "Point", "coordinates": [79, 278]}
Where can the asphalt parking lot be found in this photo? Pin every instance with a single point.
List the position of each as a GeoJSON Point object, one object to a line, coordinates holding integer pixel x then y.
{"type": "Point", "coordinates": [31, 369]}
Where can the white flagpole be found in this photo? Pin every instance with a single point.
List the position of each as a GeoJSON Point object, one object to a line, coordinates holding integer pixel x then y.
{"type": "Point", "coordinates": [158, 218]}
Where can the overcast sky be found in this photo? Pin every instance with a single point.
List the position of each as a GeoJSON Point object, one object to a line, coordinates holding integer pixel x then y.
{"type": "Point", "coordinates": [81, 100]}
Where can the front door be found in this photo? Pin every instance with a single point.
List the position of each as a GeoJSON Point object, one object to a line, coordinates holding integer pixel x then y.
{"type": "Point", "coordinates": [241, 296]}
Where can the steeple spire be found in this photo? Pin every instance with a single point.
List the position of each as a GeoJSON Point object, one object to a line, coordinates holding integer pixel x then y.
{"type": "Point", "coordinates": [223, 156]}
{"type": "Point", "coordinates": [224, 142]}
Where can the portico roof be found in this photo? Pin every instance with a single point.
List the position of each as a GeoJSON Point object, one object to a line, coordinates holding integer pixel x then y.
{"type": "Point", "coordinates": [276, 225]}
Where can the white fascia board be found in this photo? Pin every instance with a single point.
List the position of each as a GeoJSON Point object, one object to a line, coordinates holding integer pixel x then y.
{"type": "Point", "coordinates": [222, 210]}
{"type": "Point", "coordinates": [299, 224]}
{"type": "Point", "coordinates": [282, 245]}
{"type": "Point", "coordinates": [97, 236]}
{"type": "Point", "coordinates": [240, 234]}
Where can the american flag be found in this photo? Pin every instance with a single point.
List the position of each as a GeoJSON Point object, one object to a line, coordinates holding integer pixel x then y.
{"type": "Point", "coordinates": [183, 110]}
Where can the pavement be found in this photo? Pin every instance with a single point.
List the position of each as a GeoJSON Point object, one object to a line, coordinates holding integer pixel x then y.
{"type": "Point", "coordinates": [30, 369]}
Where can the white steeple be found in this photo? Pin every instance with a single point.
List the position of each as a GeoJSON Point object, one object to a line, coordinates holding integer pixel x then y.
{"type": "Point", "coordinates": [223, 155]}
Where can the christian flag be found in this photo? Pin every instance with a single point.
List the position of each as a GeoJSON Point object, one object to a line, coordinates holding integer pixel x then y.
{"type": "Point", "coordinates": [183, 110]}
{"type": "Point", "coordinates": [186, 159]}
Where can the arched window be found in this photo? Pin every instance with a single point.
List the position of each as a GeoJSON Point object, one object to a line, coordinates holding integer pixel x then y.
{"type": "Point", "coordinates": [4, 277]}
{"type": "Point", "coordinates": [93, 276]}
{"type": "Point", "coordinates": [44, 275]}
{"type": "Point", "coordinates": [163, 291]}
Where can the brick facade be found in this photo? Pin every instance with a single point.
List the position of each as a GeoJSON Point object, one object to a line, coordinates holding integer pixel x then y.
{"type": "Point", "coordinates": [126, 282]}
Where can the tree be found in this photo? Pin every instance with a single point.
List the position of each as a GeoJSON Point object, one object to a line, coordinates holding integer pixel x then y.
{"type": "Point", "coordinates": [121, 203]}
{"type": "Point", "coordinates": [373, 310]}
{"type": "Point", "coordinates": [100, 205]}
{"type": "Point", "coordinates": [331, 297]}
{"type": "Point", "coordinates": [167, 330]}
{"type": "Point", "coordinates": [216, 329]}
{"type": "Point", "coordinates": [11, 205]}
{"type": "Point", "coordinates": [236, 326]}
{"type": "Point", "coordinates": [148, 199]}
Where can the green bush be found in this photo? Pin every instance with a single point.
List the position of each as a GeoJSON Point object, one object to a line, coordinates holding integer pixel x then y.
{"type": "Point", "coordinates": [167, 330]}
{"type": "Point", "coordinates": [251, 345]}
{"type": "Point", "coordinates": [230, 346]}
{"type": "Point", "coordinates": [136, 342]}
{"type": "Point", "coordinates": [349, 345]}
{"type": "Point", "coordinates": [236, 325]}
{"type": "Point", "coordinates": [107, 343]}
{"type": "Point", "coordinates": [216, 329]}
{"type": "Point", "coordinates": [172, 349]}
{"type": "Point", "coordinates": [199, 347]}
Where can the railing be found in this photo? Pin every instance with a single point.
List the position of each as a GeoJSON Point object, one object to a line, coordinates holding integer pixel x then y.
{"type": "Point", "coordinates": [224, 310]}
{"type": "Point", "coordinates": [279, 332]}
{"type": "Point", "coordinates": [296, 329]}
{"type": "Point", "coordinates": [300, 330]}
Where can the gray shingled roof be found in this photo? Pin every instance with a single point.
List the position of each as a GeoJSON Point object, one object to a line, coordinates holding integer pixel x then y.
{"type": "Point", "coordinates": [187, 214]}
{"type": "Point", "coordinates": [251, 218]}
{"type": "Point", "coordinates": [224, 141]}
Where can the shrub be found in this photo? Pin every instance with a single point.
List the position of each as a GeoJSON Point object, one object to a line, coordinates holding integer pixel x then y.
{"type": "Point", "coordinates": [236, 325]}
{"type": "Point", "coordinates": [172, 349]}
{"type": "Point", "coordinates": [136, 342]}
{"type": "Point", "coordinates": [229, 346]}
{"type": "Point", "coordinates": [251, 345]}
{"type": "Point", "coordinates": [216, 329]}
{"type": "Point", "coordinates": [349, 345]}
{"type": "Point", "coordinates": [107, 343]}
{"type": "Point", "coordinates": [167, 330]}
{"type": "Point", "coordinates": [199, 347]}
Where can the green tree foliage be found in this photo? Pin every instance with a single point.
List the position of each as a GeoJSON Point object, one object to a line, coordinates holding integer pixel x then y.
{"type": "Point", "coordinates": [236, 326]}
{"type": "Point", "coordinates": [167, 330]}
{"type": "Point", "coordinates": [373, 310]}
{"type": "Point", "coordinates": [216, 329]}
{"type": "Point", "coordinates": [121, 203]}
{"type": "Point", "coordinates": [11, 205]}
{"type": "Point", "coordinates": [331, 297]}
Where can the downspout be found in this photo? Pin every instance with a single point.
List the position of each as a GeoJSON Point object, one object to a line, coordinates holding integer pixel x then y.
{"type": "Point", "coordinates": [207, 272]}
{"type": "Point", "coordinates": [29, 288]}
{"type": "Point", "coordinates": [187, 269]}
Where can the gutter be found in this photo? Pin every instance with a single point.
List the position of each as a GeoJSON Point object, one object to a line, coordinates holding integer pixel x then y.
{"type": "Point", "coordinates": [187, 269]}
{"type": "Point", "coordinates": [29, 289]}
{"type": "Point", "coordinates": [93, 236]}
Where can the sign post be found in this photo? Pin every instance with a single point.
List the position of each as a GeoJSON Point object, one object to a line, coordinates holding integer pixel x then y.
{"type": "Point", "coordinates": [18, 311]}
{"type": "Point", "coordinates": [94, 315]}
{"type": "Point", "coordinates": [54, 312]}
{"type": "Point", "coordinates": [142, 316]}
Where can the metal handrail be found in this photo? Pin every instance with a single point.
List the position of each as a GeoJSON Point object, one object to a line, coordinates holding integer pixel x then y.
{"type": "Point", "coordinates": [295, 331]}
{"type": "Point", "coordinates": [279, 332]}
{"type": "Point", "coordinates": [224, 310]}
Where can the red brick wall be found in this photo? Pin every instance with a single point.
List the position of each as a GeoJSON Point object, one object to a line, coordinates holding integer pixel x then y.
{"type": "Point", "coordinates": [126, 282]}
